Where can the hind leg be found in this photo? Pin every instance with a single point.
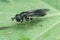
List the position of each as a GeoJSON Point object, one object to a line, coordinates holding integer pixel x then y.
{"type": "Point", "coordinates": [31, 18]}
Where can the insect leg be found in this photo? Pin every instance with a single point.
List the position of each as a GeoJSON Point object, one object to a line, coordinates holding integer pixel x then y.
{"type": "Point", "coordinates": [21, 19]}
{"type": "Point", "coordinates": [31, 18]}
{"type": "Point", "coordinates": [26, 17]}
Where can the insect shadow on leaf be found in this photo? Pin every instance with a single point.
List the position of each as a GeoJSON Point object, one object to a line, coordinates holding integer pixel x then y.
{"type": "Point", "coordinates": [5, 1]}
{"type": "Point", "coordinates": [24, 25]}
{"type": "Point", "coordinates": [4, 27]}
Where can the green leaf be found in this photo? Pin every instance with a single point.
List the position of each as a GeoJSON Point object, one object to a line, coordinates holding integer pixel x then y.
{"type": "Point", "coordinates": [42, 28]}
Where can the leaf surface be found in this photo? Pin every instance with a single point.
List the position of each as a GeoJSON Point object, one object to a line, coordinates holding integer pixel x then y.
{"type": "Point", "coordinates": [42, 28]}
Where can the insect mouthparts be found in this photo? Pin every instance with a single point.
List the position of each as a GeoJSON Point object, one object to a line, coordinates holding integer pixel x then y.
{"type": "Point", "coordinates": [12, 19]}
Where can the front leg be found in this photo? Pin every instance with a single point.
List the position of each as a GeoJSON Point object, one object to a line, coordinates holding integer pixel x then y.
{"type": "Point", "coordinates": [26, 18]}
{"type": "Point", "coordinates": [21, 19]}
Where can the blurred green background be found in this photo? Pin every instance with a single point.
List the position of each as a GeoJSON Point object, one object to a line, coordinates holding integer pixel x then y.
{"type": "Point", "coordinates": [45, 28]}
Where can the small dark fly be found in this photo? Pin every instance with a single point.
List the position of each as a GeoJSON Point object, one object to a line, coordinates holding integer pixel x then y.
{"type": "Point", "coordinates": [26, 14]}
